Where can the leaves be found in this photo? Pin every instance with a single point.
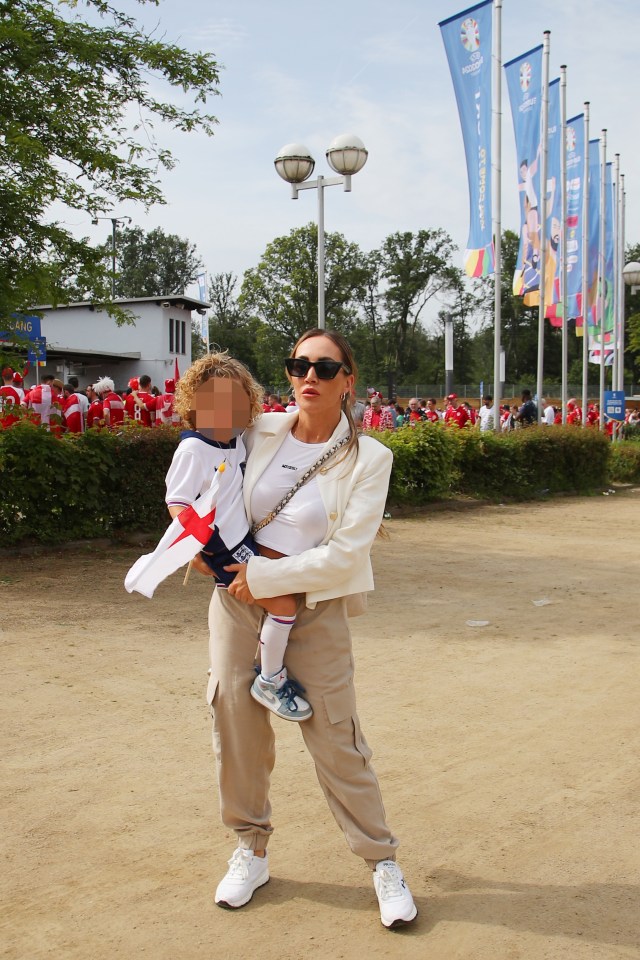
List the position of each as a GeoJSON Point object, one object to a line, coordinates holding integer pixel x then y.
{"type": "Point", "coordinates": [66, 88]}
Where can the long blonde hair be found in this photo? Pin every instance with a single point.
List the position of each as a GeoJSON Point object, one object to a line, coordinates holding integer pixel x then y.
{"type": "Point", "coordinates": [218, 364]}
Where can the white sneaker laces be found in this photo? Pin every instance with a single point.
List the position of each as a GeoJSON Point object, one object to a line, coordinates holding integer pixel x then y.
{"type": "Point", "coordinates": [239, 865]}
{"type": "Point", "coordinates": [390, 880]}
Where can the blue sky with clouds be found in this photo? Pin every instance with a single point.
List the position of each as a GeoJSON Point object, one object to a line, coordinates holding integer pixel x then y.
{"type": "Point", "coordinates": [307, 72]}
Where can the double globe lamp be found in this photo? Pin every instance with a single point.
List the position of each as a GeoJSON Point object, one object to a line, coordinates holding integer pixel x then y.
{"type": "Point", "coordinates": [346, 155]}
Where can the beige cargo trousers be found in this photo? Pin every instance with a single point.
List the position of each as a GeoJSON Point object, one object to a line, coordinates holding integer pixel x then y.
{"type": "Point", "coordinates": [320, 657]}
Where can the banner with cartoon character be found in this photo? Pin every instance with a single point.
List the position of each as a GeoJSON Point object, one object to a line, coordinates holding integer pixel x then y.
{"type": "Point", "coordinates": [524, 84]}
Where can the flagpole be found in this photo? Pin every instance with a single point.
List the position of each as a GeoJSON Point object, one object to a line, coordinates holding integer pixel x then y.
{"type": "Point", "coordinates": [563, 261]}
{"type": "Point", "coordinates": [497, 208]}
{"type": "Point", "coordinates": [602, 263]}
{"type": "Point", "coordinates": [585, 269]}
{"type": "Point", "coordinates": [620, 384]}
{"type": "Point", "coordinates": [544, 141]}
{"type": "Point", "coordinates": [617, 270]}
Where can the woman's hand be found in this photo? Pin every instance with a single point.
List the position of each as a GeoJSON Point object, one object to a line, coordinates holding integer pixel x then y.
{"type": "Point", "coordinates": [239, 588]}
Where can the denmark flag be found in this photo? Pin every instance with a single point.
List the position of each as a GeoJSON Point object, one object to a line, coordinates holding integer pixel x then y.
{"type": "Point", "coordinates": [185, 537]}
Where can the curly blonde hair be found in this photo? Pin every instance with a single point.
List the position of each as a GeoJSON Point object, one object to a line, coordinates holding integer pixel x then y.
{"type": "Point", "coordinates": [218, 364]}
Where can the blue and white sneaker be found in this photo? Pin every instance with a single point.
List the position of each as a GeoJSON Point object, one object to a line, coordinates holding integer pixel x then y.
{"type": "Point", "coordinates": [396, 903]}
{"type": "Point", "coordinates": [282, 696]}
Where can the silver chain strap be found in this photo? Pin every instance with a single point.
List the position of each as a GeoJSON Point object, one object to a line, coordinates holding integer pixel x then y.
{"type": "Point", "coordinates": [294, 489]}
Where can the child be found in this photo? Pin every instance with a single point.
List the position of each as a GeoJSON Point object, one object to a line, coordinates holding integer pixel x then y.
{"type": "Point", "coordinates": [217, 398]}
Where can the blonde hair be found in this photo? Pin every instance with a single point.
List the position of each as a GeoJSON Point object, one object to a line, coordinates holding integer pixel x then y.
{"type": "Point", "coordinates": [218, 364]}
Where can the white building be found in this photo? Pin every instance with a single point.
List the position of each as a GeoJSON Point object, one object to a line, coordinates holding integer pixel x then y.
{"type": "Point", "coordinates": [84, 341]}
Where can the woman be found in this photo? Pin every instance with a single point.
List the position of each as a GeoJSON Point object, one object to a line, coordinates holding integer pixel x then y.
{"type": "Point", "coordinates": [329, 525]}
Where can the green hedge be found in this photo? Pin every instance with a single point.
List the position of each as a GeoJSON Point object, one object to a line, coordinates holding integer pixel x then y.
{"type": "Point", "coordinates": [624, 462]}
{"type": "Point", "coordinates": [432, 461]}
{"type": "Point", "coordinates": [91, 485]}
{"type": "Point", "coordinates": [100, 484]}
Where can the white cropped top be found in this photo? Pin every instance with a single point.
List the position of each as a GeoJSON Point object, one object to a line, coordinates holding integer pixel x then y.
{"type": "Point", "coordinates": [303, 523]}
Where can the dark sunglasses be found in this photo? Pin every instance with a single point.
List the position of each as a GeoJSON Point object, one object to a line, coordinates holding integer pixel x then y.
{"type": "Point", "coordinates": [325, 369]}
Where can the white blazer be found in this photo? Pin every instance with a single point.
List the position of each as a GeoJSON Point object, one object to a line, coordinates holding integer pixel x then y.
{"type": "Point", "coordinates": [354, 493]}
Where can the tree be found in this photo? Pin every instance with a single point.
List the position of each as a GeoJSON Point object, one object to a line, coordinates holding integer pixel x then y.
{"type": "Point", "coordinates": [282, 290]}
{"type": "Point", "coordinates": [401, 278]}
{"type": "Point", "coordinates": [230, 326]}
{"type": "Point", "coordinates": [66, 88]}
{"type": "Point", "coordinates": [154, 264]}
{"type": "Point", "coordinates": [632, 316]}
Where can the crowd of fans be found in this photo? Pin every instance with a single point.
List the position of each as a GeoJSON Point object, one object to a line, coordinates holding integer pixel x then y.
{"type": "Point", "coordinates": [64, 408]}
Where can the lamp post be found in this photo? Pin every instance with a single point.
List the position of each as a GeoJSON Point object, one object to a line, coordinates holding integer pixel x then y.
{"type": "Point", "coordinates": [346, 155]}
{"type": "Point", "coordinates": [114, 224]}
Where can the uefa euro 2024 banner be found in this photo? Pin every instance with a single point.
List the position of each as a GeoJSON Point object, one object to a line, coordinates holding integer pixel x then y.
{"type": "Point", "coordinates": [575, 193]}
{"type": "Point", "coordinates": [553, 233]}
{"type": "Point", "coordinates": [609, 230]}
{"type": "Point", "coordinates": [593, 236]}
{"type": "Point", "coordinates": [468, 43]}
{"type": "Point", "coordinates": [524, 83]}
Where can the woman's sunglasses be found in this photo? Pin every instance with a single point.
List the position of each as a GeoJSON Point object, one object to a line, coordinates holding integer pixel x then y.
{"type": "Point", "coordinates": [325, 369]}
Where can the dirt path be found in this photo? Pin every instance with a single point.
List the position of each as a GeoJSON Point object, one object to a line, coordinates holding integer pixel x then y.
{"type": "Point", "coordinates": [507, 753]}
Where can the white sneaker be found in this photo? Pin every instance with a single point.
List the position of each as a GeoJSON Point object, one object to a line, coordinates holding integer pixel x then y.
{"type": "Point", "coordinates": [245, 874]}
{"type": "Point", "coordinates": [396, 903]}
{"type": "Point", "coordinates": [283, 696]}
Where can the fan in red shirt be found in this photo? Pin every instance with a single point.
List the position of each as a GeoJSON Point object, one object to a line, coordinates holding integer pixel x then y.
{"type": "Point", "coordinates": [275, 406]}
{"type": "Point", "coordinates": [95, 413]}
{"type": "Point", "coordinates": [9, 397]}
{"type": "Point", "coordinates": [112, 404]}
{"type": "Point", "coordinates": [164, 405]}
{"type": "Point", "coordinates": [376, 417]}
{"type": "Point", "coordinates": [455, 415]}
{"type": "Point", "coordinates": [71, 412]}
{"type": "Point", "coordinates": [140, 405]}
{"type": "Point", "coordinates": [574, 413]}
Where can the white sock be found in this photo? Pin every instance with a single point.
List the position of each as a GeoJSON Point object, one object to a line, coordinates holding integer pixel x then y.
{"type": "Point", "coordinates": [274, 637]}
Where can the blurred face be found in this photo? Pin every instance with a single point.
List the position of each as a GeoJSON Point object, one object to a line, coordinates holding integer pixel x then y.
{"type": "Point", "coordinates": [414, 404]}
{"type": "Point", "coordinates": [315, 397]}
{"type": "Point", "coordinates": [221, 409]}
{"type": "Point", "coordinates": [376, 403]}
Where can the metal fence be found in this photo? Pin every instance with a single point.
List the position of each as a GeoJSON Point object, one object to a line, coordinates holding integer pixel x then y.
{"type": "Point", "coordinates": [473, 391]}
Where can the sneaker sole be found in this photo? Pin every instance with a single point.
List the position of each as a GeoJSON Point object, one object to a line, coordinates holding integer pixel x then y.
{"type": "Point", "coordinates": [236, 906]}
{"type": "Point", "coordinates": [273, 709]}
{"type": "Point", "coordinates": [400, 921]}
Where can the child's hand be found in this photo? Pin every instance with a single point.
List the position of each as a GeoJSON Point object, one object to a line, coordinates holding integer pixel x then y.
{"type": "Point", "coordinates": [202, 567]}
{"type": "Point", "coordinates": [239, 588]}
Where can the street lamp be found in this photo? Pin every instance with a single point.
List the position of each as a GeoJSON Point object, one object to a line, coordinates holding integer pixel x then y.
{"type": "Point", "coordinates": [631, 275]}
{"type": "Point", "coordinates": [346, 155]}
{"type": "Point", "coordinates": [114, 223]}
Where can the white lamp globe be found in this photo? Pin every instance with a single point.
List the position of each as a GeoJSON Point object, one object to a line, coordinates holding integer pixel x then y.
{"type": "Point", "coordinates": [347, 154]}
{"type": "Point", "coordinates": [631, 274]}
{"type": "Point", "coordinates": [294, 163]}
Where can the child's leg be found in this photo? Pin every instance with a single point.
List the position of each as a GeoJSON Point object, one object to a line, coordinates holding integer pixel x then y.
{"type": "Point", "coordinates": [274, 636]}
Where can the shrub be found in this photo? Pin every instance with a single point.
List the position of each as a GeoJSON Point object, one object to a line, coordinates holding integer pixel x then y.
{"type": "Point", "coordinates": [91, 485]}
{"type": "Point", "coordinates": [422, 463]}
{"type": "Point", "coordinates": [624, 462]}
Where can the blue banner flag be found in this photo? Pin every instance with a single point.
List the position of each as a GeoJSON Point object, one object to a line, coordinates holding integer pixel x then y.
{"type": "Point", "coordinates": [524, 83]}
{"type": "Point", "coordinates": [553, 271]}
{"type": "Point", "coordinates": [468, 44]}
{"type": "Point", "coordinates": [575, 194]}
{"type": "Point", "coordinates": [609, 256]}
{"type": "Point", "coordinates": [593, 235]}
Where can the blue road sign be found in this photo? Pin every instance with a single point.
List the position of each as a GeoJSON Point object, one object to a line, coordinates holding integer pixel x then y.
{"type": "Point", "coordinates": [38, 351]}
{"type": "Point", "coordinates": [614, 405]}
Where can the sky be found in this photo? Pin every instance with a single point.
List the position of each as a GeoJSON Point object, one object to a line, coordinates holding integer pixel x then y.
{"type": "Point", "coordinates": [306, 73]}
